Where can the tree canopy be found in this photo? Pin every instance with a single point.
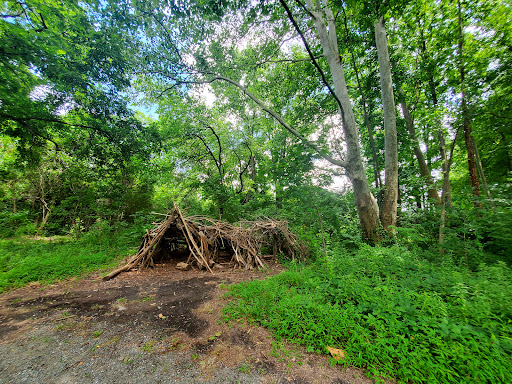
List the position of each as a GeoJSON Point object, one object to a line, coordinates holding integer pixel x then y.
{"type": "Point", "coordinates": [253, 106]}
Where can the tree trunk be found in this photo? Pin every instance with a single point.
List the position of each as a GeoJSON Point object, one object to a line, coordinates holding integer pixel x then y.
{"type": "Point", "coordinates": [389, 205]}
{"type": "Point", "coordinates": [446, 190]}
{"type": "Point", "coordinates": [367, 207]}
{"type": "Point", "coordinates": [45, 216]}
{"type": "Point", "coordinates": [480, 168]}
{"type": "Point", "coordinates": [376, 165]}
{"type": "Point", "coordinates": [424, 169]}
{"type": "Point", "coordinates": [466, 122]}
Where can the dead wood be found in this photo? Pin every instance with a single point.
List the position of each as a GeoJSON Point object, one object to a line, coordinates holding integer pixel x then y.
{"type": "Point", "coordinates": [208, 239]}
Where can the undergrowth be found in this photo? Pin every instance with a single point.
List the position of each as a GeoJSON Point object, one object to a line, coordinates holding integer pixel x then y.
{"type": "Point", "coordinates": [392, 313]}
{"type": "Point", "coordinates": [26, 259]}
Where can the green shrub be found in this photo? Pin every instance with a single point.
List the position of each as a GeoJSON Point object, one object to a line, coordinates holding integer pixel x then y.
{"type": "Point", "coordinates": [12, 224]}
{"type": "Point", "coordinates": [23, 260]}
{"type": "Point", "coordinates": [394, 313]}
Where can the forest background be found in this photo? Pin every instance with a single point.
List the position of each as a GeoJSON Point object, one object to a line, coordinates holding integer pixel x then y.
{"type": "Point", "coordinates": [379, 130]}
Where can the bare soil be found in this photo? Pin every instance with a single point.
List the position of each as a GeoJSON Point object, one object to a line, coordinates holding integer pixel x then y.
{"type": "Point", "coordinates": [160, 326]}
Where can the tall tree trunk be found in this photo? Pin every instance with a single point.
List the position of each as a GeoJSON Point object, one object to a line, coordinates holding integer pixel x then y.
{"type": "Point", "coordinates": [376, 165]}
{"type": "Point", "coordinates": [389, 205]}
{"type": "Point", "coordinates": [446, 196]}
{"type": "Point", "coordinates": [466, 122]}
{"type": "Point", "coordinates": [424, 169]}
{"type": "Point", "coordinates": [446, 190]}
{"type": "Point", "coordinates": [367, 207]}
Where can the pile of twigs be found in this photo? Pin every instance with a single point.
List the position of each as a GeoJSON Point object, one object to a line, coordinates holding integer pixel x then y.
{"type": "Point", "coordinates": [205, 238]}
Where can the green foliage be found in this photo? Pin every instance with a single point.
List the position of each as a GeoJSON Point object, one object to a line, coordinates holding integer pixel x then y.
{"type": "Point", "coordinates": [471, 235]}
{"type": "Point", "coordinates": [25, 259]}
{"type": "Point", "coordinates": [392, 312]}
{"type": "Point", "coordinates": [15, 224]}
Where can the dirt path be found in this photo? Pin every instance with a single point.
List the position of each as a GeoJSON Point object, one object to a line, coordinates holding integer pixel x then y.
{"type": "Point", "coordinates": [158, 326]}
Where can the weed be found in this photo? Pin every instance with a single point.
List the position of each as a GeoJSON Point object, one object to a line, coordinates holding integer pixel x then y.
{"type": "Point", "coordinates": [127, 360]}
{"type": "Point", "coordinates": [65, 326]}
{"type": "Point", "coordinates": [213, 337]}
{"type": "Point", "coordinates": [96, 307]}
{"type": "Point", "coordinates": [195, 357]}
{"type": "Point", "coordinates": [149, 346]}
{"type": "Point", "coordinates": [245, 368]}
{"type": "Point", "coordinates": [174, 343]}
{"type": "Point", "coordinates": [97, 333]}
{"type": "Point", "coordinates": [121, 300]}
{"type": "Point", "coordinates": [113, 340]}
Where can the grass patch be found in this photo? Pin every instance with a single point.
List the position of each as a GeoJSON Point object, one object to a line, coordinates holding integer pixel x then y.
{"type": "Point", "coordinates": [24, 260]}
{"type": "Point", "coordinates": [392, 314]}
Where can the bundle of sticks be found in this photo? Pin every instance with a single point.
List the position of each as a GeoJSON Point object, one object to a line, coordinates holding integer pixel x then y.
{"type": "Point", "coordinates": [205, 237]}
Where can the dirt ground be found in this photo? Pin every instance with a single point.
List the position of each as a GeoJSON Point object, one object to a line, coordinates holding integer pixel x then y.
{"type": "Point", "coordinates": [158, 326]}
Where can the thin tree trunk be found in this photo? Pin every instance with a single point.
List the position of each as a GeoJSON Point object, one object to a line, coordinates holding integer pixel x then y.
{"type": "Point", "coordinates": [480, 168]}
{"type": "Point", "coordinates": [388, 214]}
{"type": "Point", "coordinates": [446, 190]}
{"type": "Point", "coordinates": [45, 216]}
{"type": "Point", "coordinates": [424, 169]}
{"type": "Point", "coordinates": [367, 207]}
{"type": "Point", "coordinates": [446, 182]}
{"type": "Point", "coordinates": [466, 122]}
{"type": "Point", "coordinates": [446, 197]}
{"type": "Point", "coordinates": [321, 231]}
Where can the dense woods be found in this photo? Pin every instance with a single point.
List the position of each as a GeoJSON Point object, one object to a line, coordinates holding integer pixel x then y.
{"type": "Point", "coordinates": [375, 128]}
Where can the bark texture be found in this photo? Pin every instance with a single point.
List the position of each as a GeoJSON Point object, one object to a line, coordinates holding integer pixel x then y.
{"type": "Point", "coordinates": [390, 203]}
{"type": "Point", "coordinates": [367, 207]}
{"type": "Point", "coordinates": [376, 165]}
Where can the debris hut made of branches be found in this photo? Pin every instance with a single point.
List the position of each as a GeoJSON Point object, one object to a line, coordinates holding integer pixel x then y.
{"type": "Point", "coordinates": [207, 240]}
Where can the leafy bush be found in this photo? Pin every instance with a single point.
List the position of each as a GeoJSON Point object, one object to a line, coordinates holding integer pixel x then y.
{"type": "Point", "coordinates": [393, 313]}
{"type": "Point", "coordinates": [15, 223]}
{"type": "Point", "coordinates": [23, 260]}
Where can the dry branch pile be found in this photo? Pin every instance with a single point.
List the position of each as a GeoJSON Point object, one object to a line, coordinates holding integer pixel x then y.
{"type": "Point", "coordinates": [206, 239]}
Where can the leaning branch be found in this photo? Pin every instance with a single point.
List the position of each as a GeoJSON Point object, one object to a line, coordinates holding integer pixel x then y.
{"type": "Point", "coordinates": [280, 120]}
{"type": "Point", "coordinates": [313, 57]}
{"type": "Point", "coordinates": [27, 126]}
{"type": "Point", "coordinates": [6, 16]}
{"type": "Point", "coordinates": [168, 34]}
{"type": "Point", "coordinates": [22, 120]}
{"type": "Point", "coordinates": [220, 147]}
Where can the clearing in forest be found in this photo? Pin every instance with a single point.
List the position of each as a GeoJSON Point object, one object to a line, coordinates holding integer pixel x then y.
{"type": "Point", "coordinates": [159, 325]}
